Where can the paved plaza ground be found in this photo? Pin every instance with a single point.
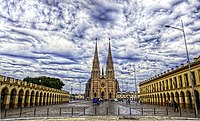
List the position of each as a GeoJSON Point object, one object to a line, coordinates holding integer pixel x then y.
{"type": "Point", "coordinates": [85, 110]}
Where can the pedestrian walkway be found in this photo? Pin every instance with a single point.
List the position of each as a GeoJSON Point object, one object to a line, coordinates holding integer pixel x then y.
{"type": "Point", "coordinates": [161, 110]}
{"type": "Point", "coordinates": [105, 118]}
{"type": "Point", "coordinates": [86, 108]}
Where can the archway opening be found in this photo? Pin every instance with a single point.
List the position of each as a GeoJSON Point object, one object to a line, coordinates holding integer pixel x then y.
{"type": "Point", "coordinates": [44, 98]}
{"type": "Point", "coordinates": [165, 100]}
{"type": "Point", "coordinates": [196, 93]}
{"type": "Point", "coordinates": [26, 98]}
{"type": "Point", "coordinates": [110, 95]}
{"type": "Point", "coordinates": [20, 98]}
{"type": "Point", "coordinates": [12, 98]}
{"type": "Point", "coordinates": [102, 95]}
{"type": "Point", "coordinates": [32, 97]}
{"type": "Point", "coordinates": [95, 95]}
{"type": "Point", "coordinates": [189, 99]}
{"type": "Point", "coordinates": [40, 100]}
{"type": "Point", "coordinates": [177, 98]}
{"type": "Point", "coordinates": [47, 102]}
{"type": "Point", "coordinates": [168, 97]}
{"type": "Point", "coordinates": [4, 94]}
{"type": "Point", "coordinates": [36, 99]}
{"type": "Point", "coordinates": [161, 99]}
{"type": "Point", "coordinates": [182, 99]}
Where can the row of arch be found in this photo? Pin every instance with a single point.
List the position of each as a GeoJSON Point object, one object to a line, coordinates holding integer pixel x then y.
{"type": "Point", "coordinates": [184, 99]}
{"type": "Point", "coordinates": [14, 98]}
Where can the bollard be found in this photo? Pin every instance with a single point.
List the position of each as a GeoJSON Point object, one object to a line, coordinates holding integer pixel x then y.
{"type": "Point", "coordinates": [130, 110]}
{"type": "Point", "coordinates": [20, 114]}
{"type": "Point", "coordinates": [107, 111]}
{"type": "Point", "coordinates": [180, 112]}
{"type": "Point", "coordinates": [118, 111]}
{"type": "Point", "coordinates": [72, 111]}
{"type": "Point", "coordinates": [5, 113]}
{"type": "Point", "coordinates": [167, 110]}
{"type": "Point", "coordinates": [84, 111]}
{"type": "Point", "coordinates": [95, 110]}
{"type": "Point", "coordinates": [154, 110]}
{"type": "Point", "coordinates": [142, 110]}
{"type": "Point", "coordinates": [34, 111]}
{"type": "Point", "coordinates": [47, 111]}
{"type": "Point", "coordinates": [60, 111]}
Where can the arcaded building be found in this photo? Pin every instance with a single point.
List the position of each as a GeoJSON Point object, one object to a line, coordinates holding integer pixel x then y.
{"type": "Point", "coordinates": [101, 86]}
{"type": "Point", "coordinates": [16, 93]}
{"type": "Point", "coordinates": [173, 85]}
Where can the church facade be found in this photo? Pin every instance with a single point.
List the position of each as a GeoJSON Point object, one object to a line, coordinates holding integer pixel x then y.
{"type": "Point", "coordinates": [100, 86]}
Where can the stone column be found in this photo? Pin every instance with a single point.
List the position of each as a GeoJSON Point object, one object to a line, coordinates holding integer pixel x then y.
{"type": "Point", "coordinates": [41, 100]}
{"type": "Point", "coordinates": [38, 100]}
{"type": "Point", "coordinates": [33, 100]}
{"type": "Point", "coordinates": [7, 103]}
{"type": "Point", "coordinates": [44, 99]}
{"type": "Point", "coordinates": [16, 101]}
{"type": "Point", "coordinates": [187, 101]}
{"type": "Point", "coordinates": [181, 101]}
{"type": "Point", "coordinates": [28, 99]}
{"type": "Point", "coordinates": [23, 98]}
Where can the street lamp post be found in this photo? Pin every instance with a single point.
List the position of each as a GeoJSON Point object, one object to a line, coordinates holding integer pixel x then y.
{"type": "Point", "coordinates": [135, 84]}
{"type": "Point", "coordinates": [188, 60]}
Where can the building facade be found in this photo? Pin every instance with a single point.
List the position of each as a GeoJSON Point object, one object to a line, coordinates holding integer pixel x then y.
{"type": "Point", "coordinates": [101, 86]}
{"type": "Point", "coordinates": [173, 85]}
{"type": "Point", "coordinates": [16, 93]}
{"type": "Point", "coordinates": [127, 95]}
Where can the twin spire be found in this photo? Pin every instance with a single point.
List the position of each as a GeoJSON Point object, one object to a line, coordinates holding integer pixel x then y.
{"type": "Point", "coordinates": [109, 63]}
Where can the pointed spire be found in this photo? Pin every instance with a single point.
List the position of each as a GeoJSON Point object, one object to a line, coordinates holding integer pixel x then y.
{"type": "Point", "coordinates": [109, 59]}
{"type": "Point", "coordinates": [96, 58]}
{"type": "Point", "coordinates": [109, 64]}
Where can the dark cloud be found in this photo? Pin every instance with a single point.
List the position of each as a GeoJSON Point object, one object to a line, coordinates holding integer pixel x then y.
{"type": "Point", "coordinates": [57, 37]}
{"type": "Point", "coordinates": [103, 13]}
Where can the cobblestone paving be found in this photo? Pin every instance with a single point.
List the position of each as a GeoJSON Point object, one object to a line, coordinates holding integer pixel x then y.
{"type": "Point", "coordinates": [86, 108]}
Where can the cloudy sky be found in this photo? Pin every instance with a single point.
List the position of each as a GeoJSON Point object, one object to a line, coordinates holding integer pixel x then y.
{"type": "Point", "coordinates": [57, 38]}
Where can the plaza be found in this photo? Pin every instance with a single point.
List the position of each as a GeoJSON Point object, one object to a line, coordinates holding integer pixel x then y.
{"type": "Point", "coordinates": [83, 109]}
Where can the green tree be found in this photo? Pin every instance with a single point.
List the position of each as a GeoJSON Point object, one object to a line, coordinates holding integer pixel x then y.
{"type": "Point", "coordinates": [45, 81]}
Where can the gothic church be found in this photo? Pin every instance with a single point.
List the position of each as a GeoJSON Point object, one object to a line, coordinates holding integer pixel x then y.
{"type": "Point", "coordinates": [101, 86]}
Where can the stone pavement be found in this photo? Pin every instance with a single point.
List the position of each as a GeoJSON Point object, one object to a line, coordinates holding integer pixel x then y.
{"type": "Point", "coordinates": [84, 110]}
{"type": "Point", "coordinates": [105, 118]}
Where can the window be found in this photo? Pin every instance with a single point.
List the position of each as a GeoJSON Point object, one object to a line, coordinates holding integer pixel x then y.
{"type": "Point", "coordinates": [193, 77]}
{"type": "Point", "coordinates": [180, 80]}
{"type": "Point", "coordinates": [175, 82]}
{"type": "Point", "coordinates": [163, 85]}
{"type": "Point", "coordinates": [186, 80]}
{"type": "Point", "coordinates": [171, 87]}
{"type": "Point", "coordinates": [160, 86]}
{"type": "Point", "coordinates": [199, 74]}
{"type": "Point", "coordinates": [157, 86]}
{"type": "Point", "coordinates": [166, 84]}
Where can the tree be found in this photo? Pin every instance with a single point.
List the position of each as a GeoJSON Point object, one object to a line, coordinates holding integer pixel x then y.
{"type": "Point", "coordinates": [45, 81]}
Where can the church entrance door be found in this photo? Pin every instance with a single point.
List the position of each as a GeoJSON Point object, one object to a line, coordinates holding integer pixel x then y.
{"type": "Point", "coordinates": [102, 95]}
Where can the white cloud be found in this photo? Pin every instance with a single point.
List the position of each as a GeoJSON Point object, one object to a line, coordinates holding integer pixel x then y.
{"type": "Point", "coordinates": [58, 38]}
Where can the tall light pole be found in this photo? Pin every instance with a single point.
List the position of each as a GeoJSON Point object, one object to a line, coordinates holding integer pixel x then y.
{"type": "Point", "coordinates": [135, 82]}
{"type": "Point", "coordinates": [188, 60]}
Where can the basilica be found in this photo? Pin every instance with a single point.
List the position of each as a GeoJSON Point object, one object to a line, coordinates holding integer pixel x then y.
{"type": "Point", "coordinates": [100, 86]}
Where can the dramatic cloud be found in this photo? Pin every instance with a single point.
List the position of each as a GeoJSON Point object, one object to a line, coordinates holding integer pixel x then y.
{"type": "Point", "coordinates": [57, 38]}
